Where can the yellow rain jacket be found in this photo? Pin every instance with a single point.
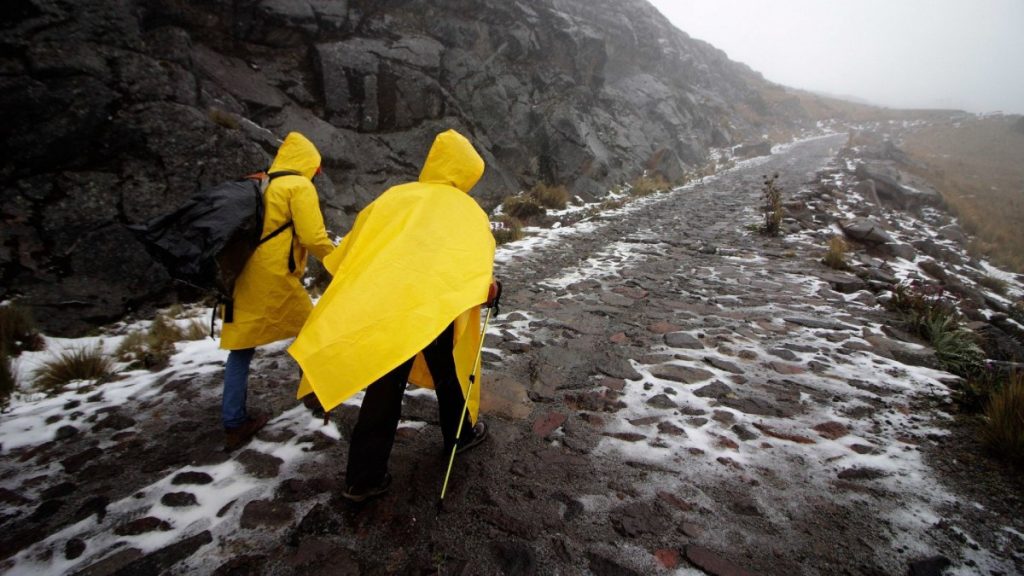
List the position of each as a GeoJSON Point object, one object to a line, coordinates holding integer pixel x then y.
{"type": "Point", "coordinates": [270, 303]}
{"type": "Point", "coordinates": [418, 257]}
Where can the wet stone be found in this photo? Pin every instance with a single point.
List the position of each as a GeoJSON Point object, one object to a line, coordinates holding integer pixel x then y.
{"type": "Point", "coordinates": [787, 369]}
{"type": "Point", "coordinates": [724, 417]}
{"type": "Point", "coordinates": [667, 558]}
{"type": "Point", "coordinates": [142, 526]}
{"type": "Point", "coordinates": [862, 473]}
{"type": "Point", "coordinates": [65, 433]}
{"type": "Point", "coordinates": [637, 519]}
{"type": "Point", "coordinates": [58, 491]}
{"type": "Point", "coordinates": [73, 548]}
{"type": "Point", "coordinates": [179, 499]}
{"type": "Point", "coordinates": [627, 436]}
{"type": "Point", "coordinates": [744, 433]}
{"type": "Point", "coordinates": [192, 477]}
{"type": "Point", "coordinates": [831, 430]}
{"type": "Point", "coordinates": [670, 429]}
{"type": "Point", "coordinates": [160, 561]}
{"type": "Point", "coordinates": [723, 365]}
{"type": "Point", "coordinates": [713, 390]}
{"type": "Point", "coordinates": [683, 340]}
{"type": "Point", "coordinates": [712, 563]}
{"type": "Point", "coordinates": [75, 463]}
{"type": "Point", "coordinates": [115, 421]}
{"type": "Point", "coordinates": [259, 464]}
{"type": "Point", "coordinates": [661, 401]}
{"type": "Point", "coordinates": [783, 353]}
{"type": "Point", "coordinates": [548, 423]}
{"type": "Point", "coordinates": [681, 374]}
{"type": "Point", "coordinates": [95, 505]}
{"type": "Point", "coordinates": [265, 513]}
{"type": "Point", "coordinates": [12, 498]}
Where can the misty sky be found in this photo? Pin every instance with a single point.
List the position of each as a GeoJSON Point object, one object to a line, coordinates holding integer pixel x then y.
{"type": "Point", "coordinates": [966, 54]}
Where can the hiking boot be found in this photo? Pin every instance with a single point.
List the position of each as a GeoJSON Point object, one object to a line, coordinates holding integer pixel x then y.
{"type": "Point", "coordinates": [236, 437]}
{"type": "Point", "coordinates": [357, 496]}
{"type": "Point", "coordinates": [479, 435]}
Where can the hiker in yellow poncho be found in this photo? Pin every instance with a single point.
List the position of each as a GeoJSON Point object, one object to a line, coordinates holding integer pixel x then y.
{"type": "Point", "coordinates": [269, 302]}
{"type": "Point", "coordinates": [404, 306]}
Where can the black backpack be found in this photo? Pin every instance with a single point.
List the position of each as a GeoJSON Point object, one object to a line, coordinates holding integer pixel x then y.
{"type": "Point", "coordinates": [206, 242]}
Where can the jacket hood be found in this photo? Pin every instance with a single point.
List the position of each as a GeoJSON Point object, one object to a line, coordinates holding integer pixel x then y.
{"type": "Point", "coordinates": [297, 153]}
{"type": "Point", "coordinates": [453, 161]}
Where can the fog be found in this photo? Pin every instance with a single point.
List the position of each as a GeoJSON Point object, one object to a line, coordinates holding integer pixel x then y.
{"type": "Point", "coordinates": [965, 54]}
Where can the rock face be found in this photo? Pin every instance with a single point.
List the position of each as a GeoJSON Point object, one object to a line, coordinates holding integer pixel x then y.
{"type": "Point", "coordinates": [117, 111]}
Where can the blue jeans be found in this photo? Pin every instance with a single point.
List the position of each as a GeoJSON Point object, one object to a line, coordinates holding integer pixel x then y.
{"type": "Point", "coordinates": [236, 385]}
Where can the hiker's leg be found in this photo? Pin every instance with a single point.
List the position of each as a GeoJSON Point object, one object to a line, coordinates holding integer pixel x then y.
{"type": "Point", "coordinates": [450, 400]}
{"type": "Point", "coordinates": [236, 378]}
{"type": "Point", "coordinates": [374, 433]}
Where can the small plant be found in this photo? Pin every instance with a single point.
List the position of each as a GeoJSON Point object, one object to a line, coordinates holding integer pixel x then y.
{"type": "Point", "coordinates": [930, 315]}
{"type": "Point", "coordinates": [523, 208]}
{"type": "Point", "coordinates": [1003, 433]}
{"type": "Point", "coordinates": [997, 285]}
{"type": "Point", "coordinates": [73, 365]}
{"type": "Point", "coordinates": [554, 197]}
{"type": "Point", "coordinates": [771, 192]}
{"type": "Point", "coordinates": [18, 331]}
{"type": "Point", "coordinates": [506, 229]}
{"type": "Point", "coordinates": [835, 258]}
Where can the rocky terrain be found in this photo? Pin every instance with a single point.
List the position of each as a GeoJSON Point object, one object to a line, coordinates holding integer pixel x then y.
{"type": "Point", "coordinates": [669, 392]}
{"type": "Point", "coordinates": [116, 110]}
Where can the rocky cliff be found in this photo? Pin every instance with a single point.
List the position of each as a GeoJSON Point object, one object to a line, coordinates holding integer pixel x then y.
{"type": "Point", "coordinates": [116, 110]}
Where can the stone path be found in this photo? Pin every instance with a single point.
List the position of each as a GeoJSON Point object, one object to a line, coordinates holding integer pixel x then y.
{"type": "Point", "coordinates": [668, 392]}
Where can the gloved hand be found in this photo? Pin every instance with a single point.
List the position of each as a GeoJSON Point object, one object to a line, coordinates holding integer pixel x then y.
{"type": "Point", "coordinates": [493, 295]}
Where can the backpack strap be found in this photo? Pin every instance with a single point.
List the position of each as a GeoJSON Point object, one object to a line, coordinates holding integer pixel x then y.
{"type": "Point", "coordinates": [291, 253]}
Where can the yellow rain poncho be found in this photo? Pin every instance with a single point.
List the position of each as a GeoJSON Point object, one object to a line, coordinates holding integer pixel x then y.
{"type": "Point", "coordinates": [418, 258]}
{"type": "Point", "coordinates": [270, 303]}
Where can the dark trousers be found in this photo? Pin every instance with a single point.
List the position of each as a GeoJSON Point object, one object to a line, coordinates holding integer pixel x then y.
{"type": "Point", "coordinates": [374, 433]}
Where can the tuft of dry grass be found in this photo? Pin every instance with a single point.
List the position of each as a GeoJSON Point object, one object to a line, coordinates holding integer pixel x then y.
{"type": "Point", "coordinates": [153, 349]}
{"type": "Point", "coordinates": [835, 258]}
{"type": "Point", "coordinates": [8, 379]}
{"type": "Point", "coordinates": [525, 209]}
{"type": "Point", "coordinates": [76, 364]}
{"type": "Point", "coordinates": [553, 197]}
{"type": "Point", "coordinates": [646, 185]}
{"type": "Point", "coordinates": [975, 164]}
{"type": "Point", "coordinates": [1003, 433]}
{"type": "Point", "coordinates": [997, 285]}
{"type": "Point", "coordinates": [224, 118]}
{"type": "Point", "coordinates": [771, 193]}
{"type": "Point", "coordinates": [506, 229]}
{"type": "Point", "coordinates": [18, 331]}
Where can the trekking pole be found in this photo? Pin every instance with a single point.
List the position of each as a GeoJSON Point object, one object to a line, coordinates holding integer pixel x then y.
{"type": "Point", "coordinates": [465, 407]}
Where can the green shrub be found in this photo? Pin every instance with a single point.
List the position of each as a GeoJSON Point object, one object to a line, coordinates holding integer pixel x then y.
{"type": "Point", "coordinates": [18, 331]}
{"type": "Point", "coordinates": [8, 379]}
{"type": "Point", "coordinates": [507, 229]}
{"type": "Point", "coordinates": [525, 209]}
{"type": "Point", "coordinates": [554, 197]}
{"type": "Point", "coordinates": [929, 315]}
{"type": "Point", "coordinates": [73, 365]}
{"type": "Point", "coordinates": [1003, 433]}
{"type": "Point", "coordinates": [835, 258]}
{"type": "Point", "coordinates": [771, 192]}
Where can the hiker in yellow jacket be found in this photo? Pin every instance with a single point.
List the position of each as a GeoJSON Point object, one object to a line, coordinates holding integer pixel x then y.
{"type": "Point", "coordinates": [404, 306]}
{"type": "Point", "coordinates": [270, 303]}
